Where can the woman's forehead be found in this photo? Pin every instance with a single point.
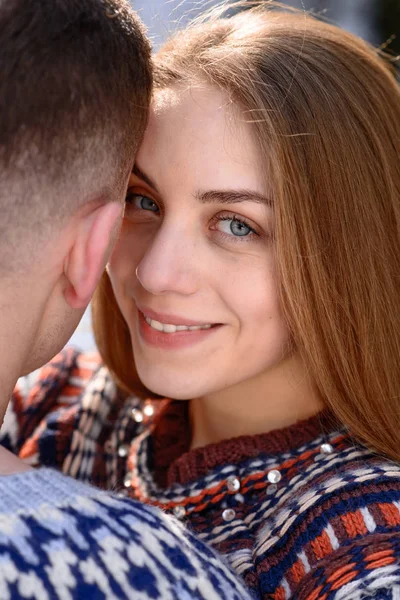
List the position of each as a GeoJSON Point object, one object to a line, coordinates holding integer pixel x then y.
{"type": "Point", "coordinates": [199, 119]}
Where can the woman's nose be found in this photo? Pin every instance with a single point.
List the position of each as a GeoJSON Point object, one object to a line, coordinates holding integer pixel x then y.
{"type": "Point", "coordinates": [170, 264]}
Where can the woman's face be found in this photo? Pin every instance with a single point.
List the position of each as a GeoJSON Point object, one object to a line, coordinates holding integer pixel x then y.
{"type": "Point", "coordinates": [193, 271]}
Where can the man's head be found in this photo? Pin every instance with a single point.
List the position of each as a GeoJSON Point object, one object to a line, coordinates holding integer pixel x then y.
{"type": "Point", "coordinates": [75, 85]}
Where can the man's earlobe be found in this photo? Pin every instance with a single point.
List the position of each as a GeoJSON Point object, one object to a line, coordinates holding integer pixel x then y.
{"type": "Point", "coordinates": [93, 242]}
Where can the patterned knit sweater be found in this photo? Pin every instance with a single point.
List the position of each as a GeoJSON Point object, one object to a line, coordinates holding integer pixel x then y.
{"type": "Point", "coordinates": [60, 538]}
{"type": "Point", "coordinates": [302, 513]}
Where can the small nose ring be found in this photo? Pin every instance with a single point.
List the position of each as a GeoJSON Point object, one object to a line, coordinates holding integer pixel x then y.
{"type": "Point", "coordinates": [137, 274]}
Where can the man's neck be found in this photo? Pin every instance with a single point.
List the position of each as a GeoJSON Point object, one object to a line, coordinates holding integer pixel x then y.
{"type": "Point", "coordinates": [15, 341]}
{"type": "Point", "coordinates": [11, 464]}
{"type": "Point", "coordinates": [12, 357]}
{"type": "Point", "coordinates": [10, 370]}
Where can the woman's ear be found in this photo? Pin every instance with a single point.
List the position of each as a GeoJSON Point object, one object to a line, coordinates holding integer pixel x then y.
{"type": "Point", "coordinates": [93, 242]}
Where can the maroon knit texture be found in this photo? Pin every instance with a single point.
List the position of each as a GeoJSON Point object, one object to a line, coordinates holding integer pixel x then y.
{"type": "Point", "coordinates": [173, 462]}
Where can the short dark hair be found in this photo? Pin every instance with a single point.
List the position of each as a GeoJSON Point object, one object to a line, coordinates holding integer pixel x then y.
{"type": "Point", "coordinates": [75, 85]}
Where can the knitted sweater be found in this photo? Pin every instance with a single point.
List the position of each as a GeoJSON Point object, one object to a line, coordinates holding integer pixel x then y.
{"type": "Point", "coordinates": [301, 513]}
{"type": "Point", "coordinates": [60, 538]}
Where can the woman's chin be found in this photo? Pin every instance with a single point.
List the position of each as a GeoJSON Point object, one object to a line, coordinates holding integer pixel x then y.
{"type": "Point", "coordinates": [170, 387]}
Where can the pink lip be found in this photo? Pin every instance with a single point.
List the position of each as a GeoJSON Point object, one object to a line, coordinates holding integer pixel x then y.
{"type": "Point", "coordinates": [169, 319]}
{"type": "Point", "coordinates": [171, 341]}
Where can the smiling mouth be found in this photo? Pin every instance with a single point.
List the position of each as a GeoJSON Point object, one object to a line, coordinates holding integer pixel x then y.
{"type": "Point", "coordinates": [170, 328]}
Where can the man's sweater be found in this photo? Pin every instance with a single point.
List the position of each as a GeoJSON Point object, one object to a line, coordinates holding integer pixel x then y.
{"type": "Point", "coordinates": [62, 539]}
{"type": "Point", "coordinates": [303, 513]}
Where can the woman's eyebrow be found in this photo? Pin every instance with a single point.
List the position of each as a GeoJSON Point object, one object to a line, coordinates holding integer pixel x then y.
{"type": "Point", "coordinates": [213, 196]}
{"type": "Point", "coordinates": [139, 173]}
{"type": "Point", "coordinates": [232, 197]}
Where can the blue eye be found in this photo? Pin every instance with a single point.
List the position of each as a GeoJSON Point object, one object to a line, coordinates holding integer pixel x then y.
{"type": "Point", "coordinates": [238, 228]}
{"type": "Point", "coordinates": [141, 202]}
{"type": "Point", "coordinates": [232, 226]}
{"type": "Point", "coordinates": [144, 203]}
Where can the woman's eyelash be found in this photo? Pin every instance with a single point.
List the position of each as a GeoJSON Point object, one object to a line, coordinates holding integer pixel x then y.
{"type": "Point", "coordinates": [131, 194]}
{"type": "Point", "coordinates": [240, 220]}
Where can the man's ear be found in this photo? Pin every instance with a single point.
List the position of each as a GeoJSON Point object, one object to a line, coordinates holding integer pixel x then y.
{"type": "Point", "coordinates": [93, 242]}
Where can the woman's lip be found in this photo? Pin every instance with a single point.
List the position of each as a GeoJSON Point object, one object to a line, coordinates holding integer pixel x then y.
{"type": "Point", "coordinates": [171, 341]}
{"type": "Point", "coordinates": [168, 319]}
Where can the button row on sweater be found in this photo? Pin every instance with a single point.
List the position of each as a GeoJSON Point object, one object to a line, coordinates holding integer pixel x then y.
{"type": "Point", "coordinates": [274, 476]}
{"type": "Point", "coordinates": [228, 515]}
{"type": "Point", "coordinates": [233, 484]}
{"type": "Point", "coordinates": [138, 415]}
{"type": "Point", "coordinates": [123, 451]}
{"type": "Point", "coordinates": [326, 449]}
{"type": "Point", "coordinates": [128, 479]}
{"type": "Point", "coordinates": [179, 512]}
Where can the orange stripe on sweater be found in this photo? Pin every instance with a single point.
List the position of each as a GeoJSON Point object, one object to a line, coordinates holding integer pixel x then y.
{"type": "Point", "coordinates": [297, 571]}
{"type": "Point", "coordinates": [344, 580]}
{"type": "Point", "coordinates": [354, 524]}
{"type": "Point", "coordinates": [378, 555]}
{"type": "Point", "coordinates": [321, 546]}
{"type": "Point", "coordinates": [30, 448]}
{"type": "Point", "coordinates": [69, 391]}
{"type": "Point", "coordinates": [280, 594]}
{"type": "Point", "coordinates": [380, 559]}
{"type": "Point", "coordinates": [340, 572]}
{"type": "Point", "coordinates": [390, 513]}
{"type": "Point", "coordinates": [316, 594]}
{"type": "Point", "coordinates": [383, 562]}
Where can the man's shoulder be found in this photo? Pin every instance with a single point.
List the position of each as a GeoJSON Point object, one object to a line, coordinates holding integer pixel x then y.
{"type": "Point", "coordinates": [62, 538]}
{"type": "Point", "coordinates": [45, 405]}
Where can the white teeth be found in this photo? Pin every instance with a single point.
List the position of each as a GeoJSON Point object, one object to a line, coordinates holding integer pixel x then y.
{"type": "Point", "coordinates": [168, 328]}
{"type": "Point", "coordinates": [156, 325]}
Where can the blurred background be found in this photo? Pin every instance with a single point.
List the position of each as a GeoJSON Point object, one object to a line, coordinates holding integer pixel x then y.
{"type": "Point", "coordinates": [377, 21]}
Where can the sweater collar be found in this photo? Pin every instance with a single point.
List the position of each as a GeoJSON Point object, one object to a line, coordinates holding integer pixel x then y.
{"type": "Point", "coordinates": [174, 463]}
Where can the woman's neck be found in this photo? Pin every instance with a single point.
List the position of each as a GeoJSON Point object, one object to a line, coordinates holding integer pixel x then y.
{"type": "Point", "coordinates": [273, 400]}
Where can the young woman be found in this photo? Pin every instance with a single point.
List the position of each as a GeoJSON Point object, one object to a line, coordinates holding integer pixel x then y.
{"type": "Point", "coordinates": [256, 283]}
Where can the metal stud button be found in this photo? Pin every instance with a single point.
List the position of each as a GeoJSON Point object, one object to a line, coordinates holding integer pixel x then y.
{"type": "Point", "coordinates": [137, 415]}
{"type": "Point", "coordinates": [123, 451]}
{"type": "Point", "coordinates": [148, 410]}
{"type": "Point", "coordinates": [179, 512]}
{"type": "Point", "coordinates": [228, 514]}
{"type": "Point", "coordinates": [233, 484]}
{"type": "Point", "coordinates": [326, 448]}
{"type": "Point", "coordinates": [128, 479]}
{"type": "Point", "coordinates": [274, 476]}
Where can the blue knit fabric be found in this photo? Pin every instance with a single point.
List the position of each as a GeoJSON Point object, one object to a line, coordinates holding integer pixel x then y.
{"type": "Point", "coordinates": [62, 539]}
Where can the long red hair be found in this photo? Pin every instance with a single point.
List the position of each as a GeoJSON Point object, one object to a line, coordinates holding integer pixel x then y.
{"type": "Point", "coordinates": [325, 110]}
